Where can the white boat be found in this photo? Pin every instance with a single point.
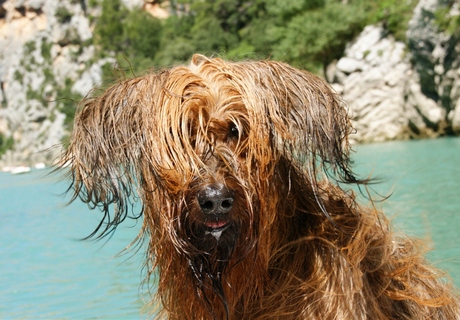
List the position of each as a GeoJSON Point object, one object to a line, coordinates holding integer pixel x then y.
{"type": "Point", "coordinates": [20, 169]}
{"type": "Point", "coordinates": [40, 165]}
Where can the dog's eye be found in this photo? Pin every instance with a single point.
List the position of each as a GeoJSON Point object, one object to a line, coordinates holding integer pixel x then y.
{"type": "Point", "coordinates": [234, 133]}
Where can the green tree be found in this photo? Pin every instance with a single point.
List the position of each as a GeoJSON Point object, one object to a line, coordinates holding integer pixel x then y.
{"type": "Point", "coordinates": [209, 27]}
{"type": "Point", "coordinates": [141, 40]}
{"type": "Point", "coordinates": [315, 37]}
{"type": "Point", "coordinates": [134, 36]}
{"type": "Point", "coordinates": [108, 31]}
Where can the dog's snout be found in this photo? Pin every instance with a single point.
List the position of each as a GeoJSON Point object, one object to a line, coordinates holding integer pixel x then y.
{"type": "Point", "coordinates": [215, 199]}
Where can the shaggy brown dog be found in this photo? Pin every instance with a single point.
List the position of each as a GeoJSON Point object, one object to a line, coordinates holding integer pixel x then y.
{"type": "Point", "coordinates": [237, 167]}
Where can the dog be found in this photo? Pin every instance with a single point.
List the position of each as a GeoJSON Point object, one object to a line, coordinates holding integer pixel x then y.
{"type": "Point", "coordinates": [240, 170]}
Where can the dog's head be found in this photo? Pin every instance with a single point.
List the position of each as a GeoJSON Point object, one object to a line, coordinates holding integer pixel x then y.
{"type": "Point", "coordinates": [209, 149]}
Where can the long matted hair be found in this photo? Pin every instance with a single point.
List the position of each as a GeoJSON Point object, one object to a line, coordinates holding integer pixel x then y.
{"type": "Point", "coordinates": [274, 140]}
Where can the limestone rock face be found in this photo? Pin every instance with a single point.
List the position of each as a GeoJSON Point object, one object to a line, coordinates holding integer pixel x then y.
{"type": "Point", "coordinates": [372, 78]}
{"type": "Point", "coordinates": [399, 91]}
{"type": "Point", "coordinates": [42, 55]}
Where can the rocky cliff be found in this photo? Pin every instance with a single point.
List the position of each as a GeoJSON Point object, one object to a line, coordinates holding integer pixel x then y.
{"type": "Point", "coordinates": [395, 90]}
{"type": "Point", "coordinates": [398, 90]}
{"type": "Point", "coordinates": [41, 57]}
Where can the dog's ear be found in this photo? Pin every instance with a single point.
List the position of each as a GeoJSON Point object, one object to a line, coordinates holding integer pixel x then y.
{"type": "Point", "coordinates": [307, 119]}
{"type": "Point", "coordinates": [108, 139]}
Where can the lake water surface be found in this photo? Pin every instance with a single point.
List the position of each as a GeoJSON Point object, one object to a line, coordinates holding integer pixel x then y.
{"type": "Point", "coordinates": [47, 272]}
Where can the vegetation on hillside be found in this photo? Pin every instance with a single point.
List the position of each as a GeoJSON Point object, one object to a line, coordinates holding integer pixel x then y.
{"type": "Point", "coordinates": [5, 143]}
{"type": "Point", "coordinates": [308, 34]}
{"type": "Point", "coordinates": [446, 22]}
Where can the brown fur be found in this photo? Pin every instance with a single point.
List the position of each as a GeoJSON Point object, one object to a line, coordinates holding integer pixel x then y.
{"type": "Point", "coordinates": [274, 139]}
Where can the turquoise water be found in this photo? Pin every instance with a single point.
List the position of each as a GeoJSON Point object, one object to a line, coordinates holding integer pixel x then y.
{"type": "Point", "coordinates": [46, 272]}
{"type": "Point", "coordinates": [423, 178]}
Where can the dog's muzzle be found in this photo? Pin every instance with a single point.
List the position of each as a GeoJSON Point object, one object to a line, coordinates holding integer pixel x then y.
{"type": "Point", "coordinates": [215, 202]}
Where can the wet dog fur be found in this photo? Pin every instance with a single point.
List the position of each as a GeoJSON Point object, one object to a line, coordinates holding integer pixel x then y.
{"type": "Point", "coordinates": [239, 169]}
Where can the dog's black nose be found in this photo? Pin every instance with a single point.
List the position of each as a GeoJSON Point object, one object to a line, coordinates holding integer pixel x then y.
{"type": "Point", "coordinates": [215, 199]}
